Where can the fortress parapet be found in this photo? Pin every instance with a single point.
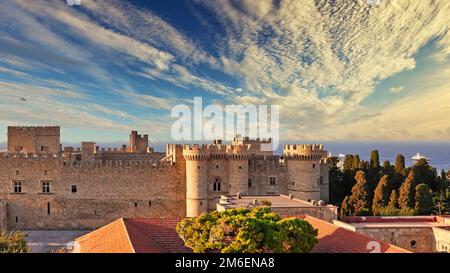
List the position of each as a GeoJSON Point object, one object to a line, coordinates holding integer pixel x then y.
{"type": "Point", "coordinates": [304, 152]}
{"type": "Point", "coordinates": [196, 152]}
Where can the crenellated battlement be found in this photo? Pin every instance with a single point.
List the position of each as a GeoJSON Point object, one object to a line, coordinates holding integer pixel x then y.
{"type": "Point", "coordinates": [33, 128]}
{"type": "Point", "coordinates": [304, 151]}
{"type": "Point", "coordinates": [206, 151]}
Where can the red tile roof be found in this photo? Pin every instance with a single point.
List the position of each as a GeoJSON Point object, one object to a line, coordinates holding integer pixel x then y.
{"type": "Point", "coordinates": [156, 235]}
{"type": "Point", "coordinates": [150, 235]}
{"type": "Point", "coordinates": [335, 239]}
{"type": "Point", "coordinates": [111, 238]}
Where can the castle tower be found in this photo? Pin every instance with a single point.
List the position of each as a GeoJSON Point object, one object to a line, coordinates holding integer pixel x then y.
{"type": "Point", "coordinates": [196, 158]}
{"type": "Point", "coordinates": [138, 143]}
{"type": "Point", "coordinates": [88, 151]}
{"type": "Point", "coordinates": [34, 139]}
{"type": "Point", "coordinates": [304, 171]}
{"type": "Point", "coordinates": [238, 157]}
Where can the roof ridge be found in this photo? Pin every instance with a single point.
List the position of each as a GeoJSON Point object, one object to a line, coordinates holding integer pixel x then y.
{"type": "Point", "coordinates": [127, 234]}
{"type": "Point", "coordinates": [95, 231]}
{"type": "Point", "coordinates": [130, 226]}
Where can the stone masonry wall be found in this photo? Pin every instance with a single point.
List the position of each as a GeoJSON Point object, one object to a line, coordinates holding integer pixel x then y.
{"type": "Point", "coordinates": [31, 139]}
{"type": "Point", "coordinates": [3, 216]}
{"type": "Point", "coordinates": [442, 239]}
{"type": "Point", "coordinates": [105, 191]}
{"type": "Point", "coordinates": [415, 239]}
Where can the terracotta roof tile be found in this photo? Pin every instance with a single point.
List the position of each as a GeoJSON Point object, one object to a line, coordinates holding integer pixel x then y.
{"type": "Point", "coordinates": [159, 235]}
{"type": "Point", "coordinates": [111, 238]}
{"type": "Point", "coordinates": [334, 239]}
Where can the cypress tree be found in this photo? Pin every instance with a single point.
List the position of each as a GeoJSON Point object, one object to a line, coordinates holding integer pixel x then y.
{"type": "Point", "coordinates": [346, 207]}
{"type": "Point", "coordinates": [400, 165]}
{"type": "Point", "coordinates": [356, 162]}
{"type": "Point", "coordinates": [406, 197]}
{"type": "Point", "coordinates": [374, 160]}
{"type": "Point", "coordinates": [424, 200]}
{"type": "Point", "coordinates": [360, 196]}
{"type": "Point", "coordinates": [381, 195]}
{"type": "Point", "coordinates": [393, 200]}
{"type": "Point", "coordinates": [373, 172]}
{"type": "Point", "coordinates": [348, 163]}
{"type": "Point", "coordinates": [424, 173]}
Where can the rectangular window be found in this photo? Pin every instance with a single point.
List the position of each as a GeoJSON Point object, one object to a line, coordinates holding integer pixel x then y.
{"type": "Point", "coordinates": [46, 187]}
{"type": "Point", "coordinates": [74, 188]}
{"type": "Point", "coordinates": [48, 208]}
{"type": "Point", "coordinates": [249, 183]}
{"type": "Point", "coordinates": [272, 181]}
{"type": "Point", "coordinates": [17, 187]}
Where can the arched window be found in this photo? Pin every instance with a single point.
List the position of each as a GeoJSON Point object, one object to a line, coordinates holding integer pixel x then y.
{"type": "Point", "coordinates": [217, 185]}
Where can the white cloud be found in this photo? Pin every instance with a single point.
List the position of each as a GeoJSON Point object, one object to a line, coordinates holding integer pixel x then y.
{"type": "Point", "coordinates": [396, 90]}
{"type": "Point", "coordinates": [320, 59]}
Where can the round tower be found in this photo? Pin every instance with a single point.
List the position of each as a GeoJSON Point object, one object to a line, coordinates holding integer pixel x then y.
{"type": "Point", "coordinates": [196, 179]}
{"type": "Point", "coordinates": [304, 170]}
{"type": "Point", "coordinates": [238, 157]}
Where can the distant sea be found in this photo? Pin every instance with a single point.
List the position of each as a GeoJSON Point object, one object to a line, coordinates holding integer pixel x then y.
{"type": "Point", "coordinates": [437, 152]}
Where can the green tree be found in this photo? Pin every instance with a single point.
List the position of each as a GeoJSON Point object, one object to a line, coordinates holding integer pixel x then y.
{"type": "Point", "coordinates": [374, 160]}
{"type": "Point", "coordinates": [348, 163]}
{"type": "Point", "coordinates": [356, 162]}
{"type": "Point", "coordinates": [387, 168]}
{"type": "Point", "coordinates": [359, 199]}
{"type": "Point", "coordinates": [336, 181]}
{"type": "Point", "coordinates": [424, 173]}
{"type": "Point", "coordinates": [381, 195]}
{"type": "Point", "coordinates": [406, 197]}
{"type": "Point", "coordinates": [13, 242]}
{"type": "Point", "coordinates": [346, 207]}
{"type": "Point", "coordinates": [373, 173]}
{"type": "Point", "coordinates": [393, 199]}
{"type": "Point", "coordinates": [400, 165]}
{"type": "Point", "coordinates": [247, 231]}
{"type": "Point", "coordinates": [424, 201]}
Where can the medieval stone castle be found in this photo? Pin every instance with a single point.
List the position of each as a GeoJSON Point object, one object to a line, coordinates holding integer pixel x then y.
{"type": "Point", "coordinates": [45, 186]}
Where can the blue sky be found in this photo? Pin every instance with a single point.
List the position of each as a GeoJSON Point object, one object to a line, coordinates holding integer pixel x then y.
{"type": "Point", "coordinates": [340, 70]}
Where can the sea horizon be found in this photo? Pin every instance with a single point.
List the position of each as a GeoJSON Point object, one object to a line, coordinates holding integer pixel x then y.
{"type": "Point", "coordinates": [438, 152]}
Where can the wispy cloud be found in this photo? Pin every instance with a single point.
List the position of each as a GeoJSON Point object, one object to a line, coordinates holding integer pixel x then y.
{"type": "Point", "coordinates": [109, 62]}
{"type": "Point", "coordinates": [396, 90]}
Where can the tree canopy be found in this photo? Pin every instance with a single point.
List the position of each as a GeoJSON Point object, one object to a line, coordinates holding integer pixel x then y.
{"type": "Point", "coordinates": [13, 242]}
{"type": "Point", "coordinates": [247, 231]}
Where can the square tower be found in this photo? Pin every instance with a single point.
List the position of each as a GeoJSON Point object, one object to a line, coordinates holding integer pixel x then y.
{"type": "Point", "coordinates": [138, 143]}
{"type": "Point", "coordinates": [31, 139]}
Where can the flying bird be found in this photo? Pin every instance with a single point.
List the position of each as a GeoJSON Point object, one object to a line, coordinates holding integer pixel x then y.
{"type": "Point", "coordinates": [23, 99]}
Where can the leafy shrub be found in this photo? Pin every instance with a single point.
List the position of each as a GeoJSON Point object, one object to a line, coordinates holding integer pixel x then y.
{"type": "Point", "coordinates": [247, 231]}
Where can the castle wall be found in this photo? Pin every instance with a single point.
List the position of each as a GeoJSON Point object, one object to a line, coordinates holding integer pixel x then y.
{"type": "Point", "coordinates": [404, 236]}
{"type": "Point", "coordinates": [104, 191]}
{"type": "Point", "coordinates": [238, 175]}
{"type": "Point", "coordinates": [3, 216]}
{"type": "Point", "coordinates": [34, 139]}
{"type": "Point", "coordinates": [260, 171]}
{"type": "Point", "coordinates": [217, 169]}
{"type": "Point", "coordinates": [324, 182]}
